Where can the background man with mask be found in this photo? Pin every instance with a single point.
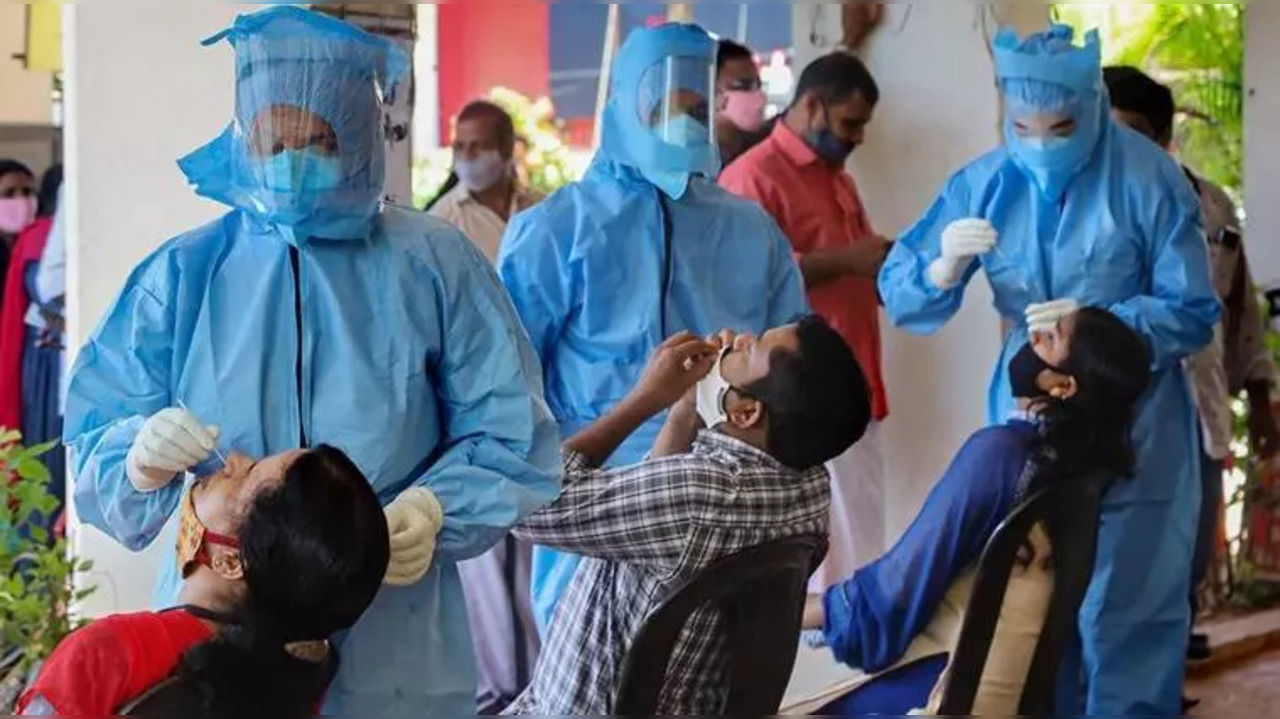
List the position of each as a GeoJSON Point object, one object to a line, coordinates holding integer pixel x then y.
{"type": "Point", "coordinates": [487, 191]}
{"type": "Point", "coordinates": [643, 247]}
{"type": "Point", "coordinates": [740, 120]}
{"type": "Point", "coordinates": [1086, 212]}
{"type": "Point", "coordinates": [311, 313]}
{"type": "Point", "coordinates": [1238, 358]}
{"type": "Point", "coordinates": [798, 176]}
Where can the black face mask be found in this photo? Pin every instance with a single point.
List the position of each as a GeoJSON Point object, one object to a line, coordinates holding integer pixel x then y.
{"type": "Point", "coordinates": [1024, 369]}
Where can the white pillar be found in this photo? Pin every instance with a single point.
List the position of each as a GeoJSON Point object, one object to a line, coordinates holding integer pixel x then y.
{"type": "Point", "coordinates": [938, 109]}
{"type": "Point", "coordinates": [141, 92]}
{"type": "Point", "coordinates": [1261, 134]}
{"type": "Point", "coordinates": [426, 96]}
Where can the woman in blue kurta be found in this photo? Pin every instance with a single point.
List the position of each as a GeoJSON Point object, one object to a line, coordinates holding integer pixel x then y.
{"type": "Point", "coordinates": [1078, 386]}
{"type": "Point", "coordinates": [1076, 207]}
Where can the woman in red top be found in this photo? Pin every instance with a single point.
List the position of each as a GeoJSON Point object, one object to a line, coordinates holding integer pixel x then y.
{"type": "Point", "coordinates": [277, 556]}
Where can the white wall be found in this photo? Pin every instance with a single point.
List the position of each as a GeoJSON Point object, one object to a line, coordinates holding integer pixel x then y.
{"type": "Point", "coordinates": [426, 68]}
{"type": "Point", "coordinates": [26, 97]}
{"type": "Point", "coordinates": [140, 92]}
{"type": "Point", "coordinates": [938, 109]}
{"type": "Point", "coordinates": [1261, 137]}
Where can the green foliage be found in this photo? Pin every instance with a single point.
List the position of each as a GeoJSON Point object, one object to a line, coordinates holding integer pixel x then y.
{"type": "Point", "coordinates": [430, 170]}
{"type": "Point", "coordinates": [1197, 49]}
{"type": "Point", "coordinates": [547, 163]}
{"type": "Point", "coordinates": [36, 587]}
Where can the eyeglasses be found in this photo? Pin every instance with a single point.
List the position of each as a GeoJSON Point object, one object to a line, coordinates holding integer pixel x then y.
{"type": "Point", "coordinates": [745, 84]}
{"type": "Point", "coordinates": [13, 192]}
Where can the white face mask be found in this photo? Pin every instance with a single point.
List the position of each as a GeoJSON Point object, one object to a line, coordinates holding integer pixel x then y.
{"type": "Point", "coordinates": [481, 172]}
{"type": "Point", "coordinates": [710, 392]}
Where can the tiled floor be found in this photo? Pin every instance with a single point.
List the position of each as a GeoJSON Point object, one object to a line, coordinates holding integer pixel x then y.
{"type": "Point", "coordinates": [1248, 689]}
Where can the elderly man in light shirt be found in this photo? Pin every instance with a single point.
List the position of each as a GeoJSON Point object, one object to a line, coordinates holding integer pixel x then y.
{"type": "Point", "coordinates": [487, 194]}
{"type": "Point", "coordinates": [488, 191]}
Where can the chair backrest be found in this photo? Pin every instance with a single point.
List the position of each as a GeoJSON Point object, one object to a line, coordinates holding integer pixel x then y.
{"type": "Point", "coordinates": [1069, 510]}
{"type": "Point", "coordinates": [760, 594]}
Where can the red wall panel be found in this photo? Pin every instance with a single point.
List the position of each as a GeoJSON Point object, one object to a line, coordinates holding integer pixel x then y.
{"type": "Point", "coordinates": [483, 44]}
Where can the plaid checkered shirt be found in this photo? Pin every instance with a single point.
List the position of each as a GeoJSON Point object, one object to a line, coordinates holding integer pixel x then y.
{"type": "Point", "coordinates": [641, 530]}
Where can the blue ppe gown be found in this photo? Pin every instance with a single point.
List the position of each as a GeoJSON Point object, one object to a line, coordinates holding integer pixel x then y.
{"type": "Point", "coordinates": [388, 337]}
{"type": "Point", "coordinates": [643, 247]}
{"type": "Point", "coordinates": [1126, 236]}
{"type": "Point", "coordinates": [1121, 230]}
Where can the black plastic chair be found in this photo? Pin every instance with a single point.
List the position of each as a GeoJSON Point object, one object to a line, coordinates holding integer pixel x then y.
{"type": "Point", "coordinates": [760, 593]}
{"type": "Point", "coordinates": [1070, 511]}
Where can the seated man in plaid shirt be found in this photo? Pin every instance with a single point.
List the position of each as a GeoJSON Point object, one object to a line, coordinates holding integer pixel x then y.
{"type": "Point", "coordinates": [778, 407]}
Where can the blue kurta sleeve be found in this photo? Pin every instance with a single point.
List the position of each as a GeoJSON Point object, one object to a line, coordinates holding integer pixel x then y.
{"type": "Point", "coordinates": [501, 458]}
{"type": "Point", "coordinates": [121, 377]}
{"type": "Point", "coordinates": [872, 617]}
{"type": "Point", "coordinates": [1179, 313]}
{"type": "Point", "coordinates": [910, 298]}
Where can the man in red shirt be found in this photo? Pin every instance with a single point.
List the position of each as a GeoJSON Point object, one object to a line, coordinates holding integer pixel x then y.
{"type": "Point", "coordinates": [797, 175]}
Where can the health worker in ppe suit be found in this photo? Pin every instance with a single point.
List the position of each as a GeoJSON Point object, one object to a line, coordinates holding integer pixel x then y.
{"type": "Point", "coordinates": [644, 246]}
{"type": "Point", "coordinates": [1075, 210]}
{"type": "Point", "coordinates": [311, 314]}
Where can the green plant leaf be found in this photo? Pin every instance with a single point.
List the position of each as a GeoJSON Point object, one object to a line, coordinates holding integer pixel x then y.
{"type": "Point", "coordinates": [31, 468]}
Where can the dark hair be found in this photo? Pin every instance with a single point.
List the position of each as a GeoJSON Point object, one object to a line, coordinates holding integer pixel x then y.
{"type": "Point", "coordinates": [315, 550]}
{"type": "Point", "coordinates": [835, 77]}
{"type": "Point", "coordinates": [1111, 364]}
{"type": "Point", "coordinates": [817, 398]}
{"type": "Point", "coordinates": [49, 186]}
{"type": "Point", "coordinates": [728, 50]}
{"type": "Point", "coordinates": [10, 166]}
{"type": "Point", "coordinates": [481, 109]}
{"type": "Point", "coordinates": [1132, 90]}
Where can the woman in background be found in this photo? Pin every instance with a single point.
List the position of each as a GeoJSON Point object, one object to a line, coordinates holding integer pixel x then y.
{"type": "Point", "coordinates": [17, 206]}
{"type": "Point", "coordinates": [31, 342]}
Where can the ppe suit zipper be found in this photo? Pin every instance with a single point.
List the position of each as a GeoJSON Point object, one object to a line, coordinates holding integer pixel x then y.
{"type": "Point", "coordinates": [295, 266]}
{"type": "Point", "coordinates": [665, 288]}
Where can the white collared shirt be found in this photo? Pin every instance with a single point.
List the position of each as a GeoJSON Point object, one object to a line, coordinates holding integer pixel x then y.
{"type": "Point", "coordinates": [479, 223]}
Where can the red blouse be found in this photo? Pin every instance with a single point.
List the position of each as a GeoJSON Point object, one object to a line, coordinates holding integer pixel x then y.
{"type": "Point", "coordinates": [102, 667]}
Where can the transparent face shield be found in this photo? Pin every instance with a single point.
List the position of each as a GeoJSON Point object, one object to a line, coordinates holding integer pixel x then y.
{"type": "Point", "coordinates": [311, 131]}
{"type": "Point", "coordinates": [677, 101]}
{"type": "Point", "coordinates": [294, 150]}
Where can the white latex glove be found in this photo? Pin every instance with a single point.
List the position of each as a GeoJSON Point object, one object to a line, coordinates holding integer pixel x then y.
{"type": "Point", "coordinates": [413, 520]}
{"type": "Point", "coordinates": [1044, 317]}
{"type": "Point", "coordinates": [170, 442]}
{"type": "Point", "coordinates": [962, 241]}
